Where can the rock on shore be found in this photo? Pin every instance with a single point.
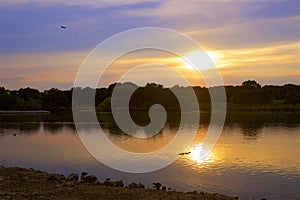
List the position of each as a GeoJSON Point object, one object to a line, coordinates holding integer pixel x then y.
{"type": "Point", "coordinates": [21, 183]}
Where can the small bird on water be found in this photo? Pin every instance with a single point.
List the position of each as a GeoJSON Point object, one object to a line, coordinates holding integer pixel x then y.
{"type": "Point", "coordinates": [184, 153]}
{"type": "Point", "coordinates": [63, 27]}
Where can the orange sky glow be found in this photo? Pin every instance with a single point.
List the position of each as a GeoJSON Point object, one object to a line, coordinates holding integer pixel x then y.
{"type": "Point", "coordinates": [257, 45]}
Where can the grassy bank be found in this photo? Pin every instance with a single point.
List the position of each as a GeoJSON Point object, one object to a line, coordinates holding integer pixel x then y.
{"type": "Point", "coordinates": [20, 183]}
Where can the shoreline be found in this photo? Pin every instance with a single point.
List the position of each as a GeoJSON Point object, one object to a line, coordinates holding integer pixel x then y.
{"type": "Point", "coordinates": [24, 112]}
{"type": "Point", "coordinates": [22, 183]}
{"type": "Point", "coordinates": [205, 109]}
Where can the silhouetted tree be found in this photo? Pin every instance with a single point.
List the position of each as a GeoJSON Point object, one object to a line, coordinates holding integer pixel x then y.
{"type": "Point", "coordinates": [105, 105]}
{"type": "Point", "coordinates": [9, 102]}
{"type": "Point", "coordinates": [250, 84]}
{"type": "Point", "coordinates": [293, 97]}
{"type": "Point", "coordinates": [26, 93]}
{"type": "Point", "coordinates": [250, 92]}
{"type": "Point", "coordinates": [54, 99]}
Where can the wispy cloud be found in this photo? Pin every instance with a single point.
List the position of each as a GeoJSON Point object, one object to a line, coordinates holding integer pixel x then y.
{"type": "Point", "coordinates": [273, 64]}
{"type": "Point", "coordinates": [257, 33]}
{"type": "Point", "coordinates": [94, 3]}
{"type": "Point", "coordinates": [40, 70]}
{"type": "Point", "coordinates": [255, 39]}
{"type": "Point", "coordinates": [218, 12]}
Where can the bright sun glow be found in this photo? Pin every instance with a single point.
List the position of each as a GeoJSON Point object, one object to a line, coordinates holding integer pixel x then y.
{"type": "Point", "coordinates": [200, 59]}
{"type": "Point", "coordinates": [195, 154]}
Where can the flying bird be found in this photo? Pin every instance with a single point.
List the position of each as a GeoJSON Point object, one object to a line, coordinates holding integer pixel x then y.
{"type": "Point", "coordinates": [63, 27]}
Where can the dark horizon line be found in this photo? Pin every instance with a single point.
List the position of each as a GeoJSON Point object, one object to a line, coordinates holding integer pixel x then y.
{"type": "Point", "coordinates": [229, 85]}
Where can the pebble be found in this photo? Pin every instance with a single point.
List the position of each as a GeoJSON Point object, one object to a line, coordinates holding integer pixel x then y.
{"type": "Point", "coordinates": [132, 185]}
{"type": "Point", "coordinates": [56, 177]}
{"type": "Point", "coordinates": [140, 185]}
{"type": "Point", "coordinates": [72, 177]}
{"type": "Point", "coordinates": [89, 179]}
{"type": "Point", "coordinates": [157, 186]}
{"type": "Point", "coordinates": [119, 183]}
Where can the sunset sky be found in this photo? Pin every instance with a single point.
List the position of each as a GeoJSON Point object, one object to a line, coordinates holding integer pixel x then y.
{"type": "Point", "coordinates": [246, 39]}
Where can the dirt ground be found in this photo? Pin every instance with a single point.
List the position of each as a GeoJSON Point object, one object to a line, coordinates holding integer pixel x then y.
{"type": "Point", "coordinates": [20, 183]}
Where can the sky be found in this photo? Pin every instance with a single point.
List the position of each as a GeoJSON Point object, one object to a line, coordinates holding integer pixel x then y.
{"type": "Point", "coordinates": [257, 40]}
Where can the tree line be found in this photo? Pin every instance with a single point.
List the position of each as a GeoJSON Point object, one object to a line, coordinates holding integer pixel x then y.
{"type": "Point", "coordinates": [248, 93]}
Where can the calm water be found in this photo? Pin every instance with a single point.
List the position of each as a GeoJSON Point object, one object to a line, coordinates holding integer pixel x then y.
{"type": "Point", "coordinates": [257, 155]}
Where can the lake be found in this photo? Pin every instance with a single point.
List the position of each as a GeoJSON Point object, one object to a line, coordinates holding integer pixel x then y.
{"type": "Point", "coordinates": [256, 156]}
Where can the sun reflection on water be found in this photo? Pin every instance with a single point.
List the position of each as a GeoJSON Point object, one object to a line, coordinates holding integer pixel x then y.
{"type": "Point", "coordinates": [195, 155]}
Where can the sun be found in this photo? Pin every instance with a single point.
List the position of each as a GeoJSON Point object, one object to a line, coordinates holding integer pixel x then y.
{"type": "Point", "coordinates": [200, 59]}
